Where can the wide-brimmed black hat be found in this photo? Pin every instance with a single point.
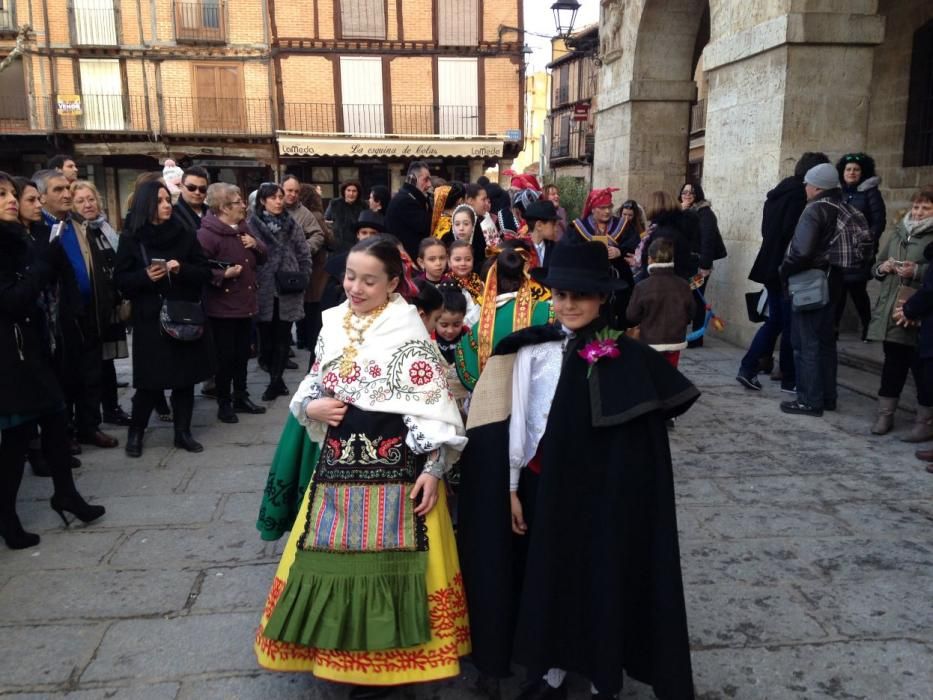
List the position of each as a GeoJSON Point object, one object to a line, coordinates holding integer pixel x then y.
{"type": "Point", "coordinates": [579, 267]}
{"type": "Point", "coordinates": [542, 210]}
{"type": "Point", "coordinates": [369, 219]}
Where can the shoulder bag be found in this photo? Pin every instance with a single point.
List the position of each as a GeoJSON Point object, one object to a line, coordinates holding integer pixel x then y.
{"type": "Point", "coordinates": [809, 290]}
{"type": "Point", "coordinates": [179, 319]}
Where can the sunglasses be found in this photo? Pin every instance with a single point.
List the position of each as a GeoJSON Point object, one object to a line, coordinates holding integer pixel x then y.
{"type": "Point", "coordinates": [197, 188]}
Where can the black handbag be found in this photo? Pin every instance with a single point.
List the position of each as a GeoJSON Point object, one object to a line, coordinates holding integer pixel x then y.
{"type": "Point", "coordinates": [756, 304]}
{"type": "Point", "coordinates": [182, 320]}
{"type": "Point", "coordinates": [291, 282]}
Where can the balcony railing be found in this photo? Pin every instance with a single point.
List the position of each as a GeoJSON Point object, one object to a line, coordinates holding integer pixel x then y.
{"type": "Point", "coordinates": [698, 117]}
{"type": "Point", "coordinates": [578, 144]}
{"type": "Point", "coordinates": [93, 23]}
{"type": "Point", "coordinates": [231, 116]}
{"type": "Point", "coordinates": [328, 118]}
{"type": "Point", "coordinates": [7, 20]}
{"type": "Point", "coordinates": [203, 22]}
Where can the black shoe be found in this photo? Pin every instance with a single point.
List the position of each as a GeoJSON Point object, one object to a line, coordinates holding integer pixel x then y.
{"type": "Point", "coordinates": [37, 461]}
{"type": "Point", "coordinates": [276, 388]}
{"type": "Point", "coordinates": [99, 439]}
{"type": "Point", "coordinates": [134, 442]}
{"type": "Point", "coordinates": [74, 448]}
{"type": "Point", "coordinates": [77, 506]}
{"type": "Point", "coordinates": [16, 537]}
{"type": "Point", "coordinates": [225, 413]}
{"type": "Point", "coordinates": [749, 382]}
{"type": "Point", "coordinates": [116, 416]}
{"type": "Point", "coordinates": [291, 365]}
{"type": "Point", "coordinates": [74, 462]}
{"type": "Point", "coordinates": [540, 690]}
{"type": "Point", "coordinates": [829, 405]}
{"type": "Point", "coordinates": [242, 404]}
{"type": "Point", "coordinates": [185, 441]}
{"type": "Point", "coordinates": [800, 408]}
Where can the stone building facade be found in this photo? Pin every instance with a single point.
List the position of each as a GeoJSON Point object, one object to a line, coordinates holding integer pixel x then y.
{"type": "Point", "coordinates": [784, 77]}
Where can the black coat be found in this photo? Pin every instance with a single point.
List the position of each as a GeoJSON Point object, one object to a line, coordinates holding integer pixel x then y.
{"type": "Point", "coordinates": [160, 362]}
{"type": "Point", "coordinates": [920, 308]}
{"type": "Point", "coordinates": [28, 384]}
{"type": "Point", "coordinates": [683, 229]}
{"type": "Point", "coordinates": [186, 216]}
{"type": "Point", "coordinates": [344, 215]}
{"type": "Point", "coordinates": [711, 245]}
{"type": "Point", "coordinates": [868, 200]}
{"type": "Point", "coordinates": [408, 218]}
{"type": "Point", "coordinates": [783, 207]}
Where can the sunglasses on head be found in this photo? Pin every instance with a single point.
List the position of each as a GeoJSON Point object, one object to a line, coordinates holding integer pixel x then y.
{"type": "Point", "coordinates": [197, 188]}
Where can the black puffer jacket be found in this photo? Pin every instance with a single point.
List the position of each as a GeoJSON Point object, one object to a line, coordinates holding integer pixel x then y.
{"type": "Point", "coordinates": [711, 245]}
{"type": "Point", "coordinates": [815, 228]}
{"type": "Point", "coordinates": [783, 207]}
{"type": "Point", "coordinates": [28, 385]}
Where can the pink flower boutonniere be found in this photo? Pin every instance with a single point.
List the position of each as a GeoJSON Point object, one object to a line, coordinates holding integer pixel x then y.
{"type": "Point", "coordinates": [604, 345]}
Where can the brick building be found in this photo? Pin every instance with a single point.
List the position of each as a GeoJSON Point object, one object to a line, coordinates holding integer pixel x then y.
{"type": "Point", "coordinates": [365, 86]}
{"type": "Point", "coordinates": [125, 84]}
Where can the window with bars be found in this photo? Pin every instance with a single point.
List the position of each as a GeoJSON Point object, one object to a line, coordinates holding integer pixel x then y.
{"type": "Point", "coordinates": [918, 134]}
{"type": "Point", "coordinates": [363, 19]}
{"type": "Point", "coordinates": [458, 22]}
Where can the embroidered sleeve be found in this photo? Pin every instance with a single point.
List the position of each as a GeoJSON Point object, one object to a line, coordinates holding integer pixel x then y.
{"type": "Point", "coordinates": [438, 440]}
{"type": "Point", "coordinates": [310, 389]}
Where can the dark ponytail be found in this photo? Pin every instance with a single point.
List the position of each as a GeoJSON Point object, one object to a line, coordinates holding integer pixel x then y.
{"type": "Point", "coordinates": [386, 252]}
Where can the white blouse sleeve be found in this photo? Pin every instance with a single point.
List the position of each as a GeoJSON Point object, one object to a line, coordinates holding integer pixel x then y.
{"type": "Point", "coordinates": [472, 312]}
{"type": "Point", "coordinates": [442, 442]}
{"type": "Point", "coordinates": [310, 389]}
{"type": "Point", "coordinates": [521, 389]}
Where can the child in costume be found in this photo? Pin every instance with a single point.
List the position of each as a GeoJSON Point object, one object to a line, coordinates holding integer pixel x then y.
{"type": "Point", "coordinates": [580, 560]}
{"type": "Point", "coordinates": [450, 324]}
{"type": "Point", "coordinates": [508, 305]}
{"type": "Point", "coordinates": [446, 199]}
{"type": "Point", "coordinates": [432, 259]}
{"type": "Point", "coordinates": [429, 302]}
{"type": "Point", "coordinates": [368, 590]}
{"type": "Point", "coordinates": [662, 306]}
{"type": "Point", "coordinates": [461, 271]}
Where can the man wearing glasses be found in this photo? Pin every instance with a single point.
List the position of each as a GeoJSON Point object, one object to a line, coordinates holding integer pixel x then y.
{"type": "Point", "coordinates": [189, 209]}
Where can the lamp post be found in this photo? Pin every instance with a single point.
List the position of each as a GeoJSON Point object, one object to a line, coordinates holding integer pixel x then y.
{"type": "Point", "coordinates": [565, 14]}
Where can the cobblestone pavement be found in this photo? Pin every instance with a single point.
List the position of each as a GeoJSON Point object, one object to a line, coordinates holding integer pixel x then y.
{"type": "Point", "coordinates": [806, 555]}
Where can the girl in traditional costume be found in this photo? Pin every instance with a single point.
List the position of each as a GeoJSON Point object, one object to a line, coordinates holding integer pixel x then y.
{"type": "Point", "coordinates": [446, 199]}
{"type": "Point", "coordinates": [509, 304]}
{"type": "Point", "coordinates": [368, 590]}
{"type": "Point", "coordinates": [568, 445]}
{"type": "Point", "coordinates": [460, 257]}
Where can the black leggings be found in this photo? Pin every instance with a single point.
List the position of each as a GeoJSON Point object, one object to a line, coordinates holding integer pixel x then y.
{"type": "Point", "coordinates": [274, 339]}
{"type": "Point", "coordinates": [146, 400]}
{"type": "Point", "coordinates": [231, 343]}
{"type": "Point", "coordinates": [859, 294]}
{"type": "Point", "coordinates": [899, 359]}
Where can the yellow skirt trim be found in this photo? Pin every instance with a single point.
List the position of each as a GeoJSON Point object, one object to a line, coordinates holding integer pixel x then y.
{"type": "Point", "coordinates": [447, 612]}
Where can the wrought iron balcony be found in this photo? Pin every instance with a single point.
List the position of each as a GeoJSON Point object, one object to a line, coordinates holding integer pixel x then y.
{"type": "Point", "coordinates": [93, 23]}
{"type": "Point", "coordinates": [570, 140]}
{"type": "Point", "coordinates": [202, 22]}
{"type": "Point", "coordinates": [234, 116]}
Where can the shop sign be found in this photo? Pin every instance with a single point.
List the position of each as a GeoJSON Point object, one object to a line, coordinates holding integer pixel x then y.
{"type": "Point", "coordinates": [304, 146]}
{"type": "Point", "coordinates": [69, 105]}
{"type": "Point", "coordinates": [581, 111]}
{"type": "Point", "coordinates": [220, 163]}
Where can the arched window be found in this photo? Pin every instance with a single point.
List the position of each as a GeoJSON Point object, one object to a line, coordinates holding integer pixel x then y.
{"type": "Point", "coordinates": [918, 136]}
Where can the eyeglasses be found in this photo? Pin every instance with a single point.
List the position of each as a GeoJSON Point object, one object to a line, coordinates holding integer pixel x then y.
{"type": "Point", "coordinates": [237, 203]}
{"type": "Point", "coordinates": [197, 188]}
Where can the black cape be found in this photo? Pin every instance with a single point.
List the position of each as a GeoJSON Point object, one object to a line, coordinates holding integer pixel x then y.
{"type": "Point", "coordinates": [601, 589]}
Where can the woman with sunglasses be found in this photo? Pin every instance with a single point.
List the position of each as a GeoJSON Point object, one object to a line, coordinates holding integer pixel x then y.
{"type": "Point", "coordinates": [712, 248]}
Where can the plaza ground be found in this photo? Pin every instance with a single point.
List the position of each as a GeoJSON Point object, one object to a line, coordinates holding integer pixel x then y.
{"type": "Point", "coordinates": [806, 547]}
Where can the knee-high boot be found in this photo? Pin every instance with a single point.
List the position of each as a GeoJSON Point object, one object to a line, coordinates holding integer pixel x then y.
{"type": "Point", "coordinates": [12, 464]}
{"type": "Point", "coordinates": [183, 408]}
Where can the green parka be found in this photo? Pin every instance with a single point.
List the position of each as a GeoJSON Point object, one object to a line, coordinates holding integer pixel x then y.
{"type": "Point", "coordinates": [901, 246]}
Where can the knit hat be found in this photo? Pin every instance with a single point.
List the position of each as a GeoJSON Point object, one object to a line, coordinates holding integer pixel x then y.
{"type": "Point", "coordinates": [823, 176]}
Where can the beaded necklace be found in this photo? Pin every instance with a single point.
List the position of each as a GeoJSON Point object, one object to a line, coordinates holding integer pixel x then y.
{"type": "Point", "coordinates": [355, 337]}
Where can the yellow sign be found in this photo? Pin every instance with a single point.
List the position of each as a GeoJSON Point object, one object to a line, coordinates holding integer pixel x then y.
{"type": "Point", "coordinates": [304, 146]}
{"type": "Point", "coordinates": [69, 105]}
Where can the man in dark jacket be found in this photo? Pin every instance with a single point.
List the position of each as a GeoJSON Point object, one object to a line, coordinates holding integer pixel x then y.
{"type": "Point", "coordinates": [782, 210]}
{"type": "Point", "coordinates": [812, 331]}
{"type": "Point", "coordinates": [190, 209]}
{"type": "Point", "coordinates": [408, 216]}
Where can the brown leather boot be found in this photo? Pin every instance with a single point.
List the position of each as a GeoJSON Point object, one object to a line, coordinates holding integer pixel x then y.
{"type": "Point", "coordinates": [886, 408]}
{"type": "Point", "coordinates": [923, 426]}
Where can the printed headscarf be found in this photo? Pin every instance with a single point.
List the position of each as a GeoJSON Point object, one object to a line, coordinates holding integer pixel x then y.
{"type": "Point", "coordinates": [598, 198]}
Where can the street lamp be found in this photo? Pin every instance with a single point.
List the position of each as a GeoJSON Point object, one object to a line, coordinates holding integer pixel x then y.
{"type": "Point", "coordinates": [565, 14]}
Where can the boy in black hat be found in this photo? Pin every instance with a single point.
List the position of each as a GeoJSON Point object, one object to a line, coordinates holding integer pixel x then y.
{"type": "Point", "coordinates": [541, 217]}
{"type": "Point", "coordinates": [589, 577]}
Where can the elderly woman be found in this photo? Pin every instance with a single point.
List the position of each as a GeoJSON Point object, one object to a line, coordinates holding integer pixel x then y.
{"type": "Point", "coordinates": [283, 280]}
{"type": "Point", "coordinates": [89, 218]}
{"type": "Point", "coordinates": [231, 299]}
{"type": "Point", "coordinates": [342, 213]}
{"type": "Point", "coordinates": [159, 260]}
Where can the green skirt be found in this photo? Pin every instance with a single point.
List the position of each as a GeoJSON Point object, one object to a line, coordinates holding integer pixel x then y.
{"type": "Point", "coordinates": [291, 471]}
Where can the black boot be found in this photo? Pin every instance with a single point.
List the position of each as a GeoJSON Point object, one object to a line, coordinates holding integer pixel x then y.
{"type": "Point", "coordinates": [66, 498]}
{"type": "Point", "coordinates": [37, 461]}
{"type": "Point", "coordinates": [185, 441]}
{"type": "Point", "coordinates": [243, 404]}
{"type": "Point", "coordinates": [11, 530]}
{"type": "Point", "coordinates": [276, 388]}
{"type": "Point", "coordinates": [183, 406]}
{"type": "Point", "coordinates": [116, 416]}
{"type": "Point", "coordinates": [134, 442]}
{"type": "Point", "coordinates": [225, 412]}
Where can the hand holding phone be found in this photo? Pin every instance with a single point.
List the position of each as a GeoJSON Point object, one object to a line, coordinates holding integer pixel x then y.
{"type": "Point", "coordinates": [157, 269]}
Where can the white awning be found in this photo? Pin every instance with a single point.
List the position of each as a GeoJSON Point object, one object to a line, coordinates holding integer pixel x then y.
{"type": "Point", "coordinates": [307, 146]}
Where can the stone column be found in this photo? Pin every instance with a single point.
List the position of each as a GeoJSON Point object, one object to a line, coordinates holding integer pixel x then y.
{"type": "Point", "coordinates": [504, 164]}
{"type": "Point", "coordinates": [476, 169]}
{"type": "Point", "coordinates": [395, 176]}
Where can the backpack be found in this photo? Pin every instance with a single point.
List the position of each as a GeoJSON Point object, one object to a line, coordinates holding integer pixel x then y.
{"type": "Point", "coordinates": [852, 247]}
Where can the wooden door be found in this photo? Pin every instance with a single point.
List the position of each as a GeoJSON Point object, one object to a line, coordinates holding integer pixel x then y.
{"type": "Point", "coordinates": [219, 103]}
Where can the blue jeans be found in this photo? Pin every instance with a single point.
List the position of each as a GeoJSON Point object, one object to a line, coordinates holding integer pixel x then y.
{"type": "Point", "coordinates": [777, 324]}
{"type": "Point", "coordinates": [813, 336]}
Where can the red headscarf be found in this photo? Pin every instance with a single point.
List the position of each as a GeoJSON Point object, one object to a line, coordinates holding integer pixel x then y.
{"type": "Point", "coordinates": [598, 198]}
{"type": "Point", "coordinates": [525, 182]}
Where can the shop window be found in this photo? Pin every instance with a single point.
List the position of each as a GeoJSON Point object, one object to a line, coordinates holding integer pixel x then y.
{"type": "Point", "coordinates": [458, 22]}
{"type": "Point", "coordinates": [918, 134]}
{"type": "Point", "coordinates": [363, 19]}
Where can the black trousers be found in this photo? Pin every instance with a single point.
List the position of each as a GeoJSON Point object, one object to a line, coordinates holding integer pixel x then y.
{"type": "Point", "coordinates": [146, 400]}
{"type": "Point", "coordinates": [13, 444]}
{"type": "Point", "coordinates": [231, 343]}
{"type": "Point", "coordinates": [274, 339]}
{"type": "Point", "coordinates": [312, 324]}
{"type": "Point", "coordinates": [108, 386]}
{"type": "Point", "coordinates": [857, 290]}
{"type": "Point", "coordinates": [899, 359]}
{"type": "Point", "coordinates": [81, 380]}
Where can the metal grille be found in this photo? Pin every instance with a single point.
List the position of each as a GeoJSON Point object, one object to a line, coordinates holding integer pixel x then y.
{"type": "Point", "coordinates": [204, 21]}
{"type": "Point", "coordinates": [363, 19]}
{"type": "Point", "coordinates": [457, 22]}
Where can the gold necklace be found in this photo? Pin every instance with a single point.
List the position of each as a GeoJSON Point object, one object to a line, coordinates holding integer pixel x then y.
{"type": "Point", "coordinates": [355, 336]}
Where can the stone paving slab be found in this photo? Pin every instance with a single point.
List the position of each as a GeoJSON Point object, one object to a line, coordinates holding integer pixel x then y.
{"type": "Point", "coordinates": [806, 557]}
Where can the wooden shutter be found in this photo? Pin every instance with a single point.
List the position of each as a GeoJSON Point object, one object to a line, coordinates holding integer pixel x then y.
{"type": "Point", "coordinates": [361, 89]}
{"type": "Point", "coordinates": [458, 96]}
{"type": "Point", "coordinates": [219, 101]}
{"type": "Point", "coordinates": [458, 22]}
